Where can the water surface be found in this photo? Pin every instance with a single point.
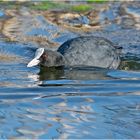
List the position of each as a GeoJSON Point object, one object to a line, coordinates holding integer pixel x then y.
{"type": "Point", "coordinates": [75, 103]}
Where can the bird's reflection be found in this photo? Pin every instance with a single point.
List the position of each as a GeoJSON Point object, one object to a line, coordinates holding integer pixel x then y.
{"type": "Point", "coordinates": [51, 73]}
{"type": "Point", "coordinates": [73, 73]}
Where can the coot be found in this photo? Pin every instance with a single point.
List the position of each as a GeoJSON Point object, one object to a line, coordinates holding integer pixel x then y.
{"type": "Point", "coordinates": [80, 51]}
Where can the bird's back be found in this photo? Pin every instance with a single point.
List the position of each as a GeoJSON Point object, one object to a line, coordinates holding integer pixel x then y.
{"type": "Point", "coordinates": [90, 51]}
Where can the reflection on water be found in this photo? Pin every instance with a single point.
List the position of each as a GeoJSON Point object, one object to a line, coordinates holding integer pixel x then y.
{"type": "Point", "coordinates": [74, 73]}
{"type": "Point", "coordinates": [101, 104]}
{"type": "Point", "coordinates": [69, 103]}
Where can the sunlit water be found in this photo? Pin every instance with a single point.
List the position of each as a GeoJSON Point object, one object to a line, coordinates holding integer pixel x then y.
{"type": "Point", "coordinates": [74, 103]}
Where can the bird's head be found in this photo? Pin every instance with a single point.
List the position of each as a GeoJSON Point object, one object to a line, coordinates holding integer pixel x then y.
{"type": "Point", "coordinates": [47, 58]}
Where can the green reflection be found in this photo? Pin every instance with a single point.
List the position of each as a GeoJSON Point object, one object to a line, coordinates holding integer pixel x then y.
{"type": "Point", "coordinates": [130, 65]}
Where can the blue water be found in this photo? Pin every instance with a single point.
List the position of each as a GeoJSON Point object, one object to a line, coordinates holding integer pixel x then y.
{"type": "Point", "coordinates": [78, 103]}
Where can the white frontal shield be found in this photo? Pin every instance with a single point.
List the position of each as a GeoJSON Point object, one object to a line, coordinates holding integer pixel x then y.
{"type": "Point", "coordinates": [36, 60]}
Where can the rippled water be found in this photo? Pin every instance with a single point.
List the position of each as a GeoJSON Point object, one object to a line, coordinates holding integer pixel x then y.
{"type": "Point", "coordinates": [76, 103]}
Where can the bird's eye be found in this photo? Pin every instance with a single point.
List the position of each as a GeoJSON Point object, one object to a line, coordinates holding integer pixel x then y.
{"type": "Point", "coordinates": [44, 56]}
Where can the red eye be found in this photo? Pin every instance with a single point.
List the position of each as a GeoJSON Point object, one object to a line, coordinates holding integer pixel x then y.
{"type": "Point", "coordinates": [44, 56]}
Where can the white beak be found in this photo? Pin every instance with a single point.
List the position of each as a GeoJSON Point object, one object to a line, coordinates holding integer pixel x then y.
{"type": "Point", "coordinates": [36, 60]}
{"type": "Point", "coordinates": [33, 62]}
